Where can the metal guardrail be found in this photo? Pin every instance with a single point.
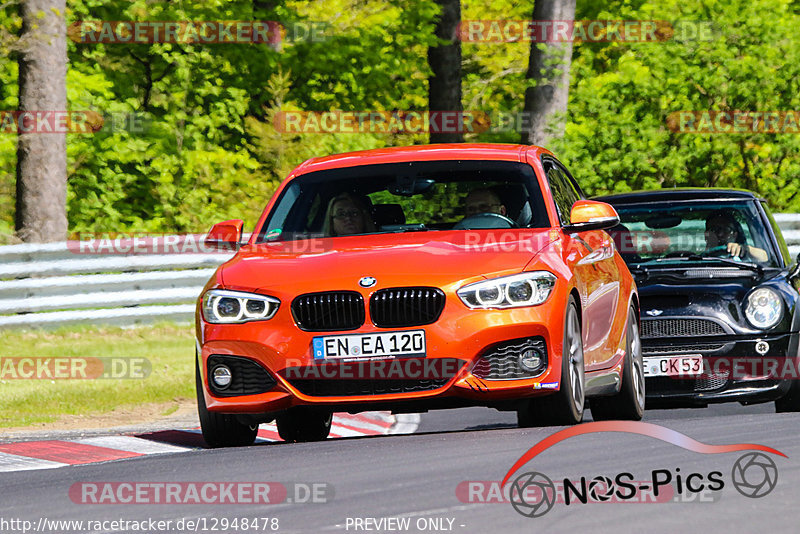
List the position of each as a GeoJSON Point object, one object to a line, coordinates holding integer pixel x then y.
{"type": "Point", "coordinates": [56, 284]}
{"type": "Point", "coordinates": [790, 228]}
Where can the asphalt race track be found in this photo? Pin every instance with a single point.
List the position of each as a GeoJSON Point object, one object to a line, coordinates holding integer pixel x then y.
{"type": "Point", "coordinates": [419, 482]}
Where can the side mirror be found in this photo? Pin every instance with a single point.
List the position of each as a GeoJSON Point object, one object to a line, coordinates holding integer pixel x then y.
{"type": "Point", "coordinates": [591, 215]}
{"type": "Point", "coordinates": [225, 235]}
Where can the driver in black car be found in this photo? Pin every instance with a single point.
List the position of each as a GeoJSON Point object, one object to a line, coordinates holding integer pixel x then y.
{"type": "Point", "coordinates": [483, 201]}
{"type": "Point", "coordinates": [723, 233]}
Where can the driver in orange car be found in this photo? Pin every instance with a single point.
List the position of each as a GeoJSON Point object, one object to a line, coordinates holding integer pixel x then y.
{"type": "Point", "coordinates": [483, 201]}
{"type": "Point", "coordinates": [347, 214]}
{"type": "Point", "coordinates": [724, 232]}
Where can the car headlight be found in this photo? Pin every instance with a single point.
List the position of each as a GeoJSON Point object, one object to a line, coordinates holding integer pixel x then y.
{"type": "Point", "coordinates": [223, 306]}
{"type": "Point", "coordinates": [763, 308]}
{"type": "Point", "coordinates": [525, 289]}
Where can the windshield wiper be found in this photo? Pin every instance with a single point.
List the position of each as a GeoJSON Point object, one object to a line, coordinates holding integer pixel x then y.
{"type": "Point", "coordinates": [751, 266]}
{"type": "Point", "coordinates": [698, 257]}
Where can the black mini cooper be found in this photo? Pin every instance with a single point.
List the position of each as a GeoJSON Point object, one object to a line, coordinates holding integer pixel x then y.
{"type": "Point", "coordinates": [719, 297]}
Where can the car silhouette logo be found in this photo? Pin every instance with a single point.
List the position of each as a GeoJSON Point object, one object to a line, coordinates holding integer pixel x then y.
{"type": "Point", "coordinates": [654, 313]}
{"type": "Point", "coordinates": [367, 281]}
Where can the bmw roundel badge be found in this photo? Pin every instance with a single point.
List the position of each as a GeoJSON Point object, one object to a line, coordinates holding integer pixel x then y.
{"type": "Point", "coordinates": [367, 281]}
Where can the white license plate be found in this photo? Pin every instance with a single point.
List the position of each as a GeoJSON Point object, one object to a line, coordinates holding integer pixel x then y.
{"type": "Point", "coordinates": [688, 365]}
{"type": "Point", "coordinates": [409, 343]}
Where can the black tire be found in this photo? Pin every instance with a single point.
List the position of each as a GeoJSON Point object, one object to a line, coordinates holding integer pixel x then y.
{"type": "Point", "coordinates": [629, 403]}
{"type": "Point", "coordinates": [300, 425]}
{"type": "Point", "coordinates": [221, 430]}
{"type": "Point", "coordinates": [791, 401]}
{"type": "Point", "coordinates": [564, 407]}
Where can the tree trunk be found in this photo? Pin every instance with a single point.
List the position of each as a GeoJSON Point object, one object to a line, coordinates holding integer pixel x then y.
{"type": "Point", "coordinates": [444, 85]}
{"type": "Point", "coordinates": [548, 68]}
{"type": "Point", "coordinates": [41, 211]}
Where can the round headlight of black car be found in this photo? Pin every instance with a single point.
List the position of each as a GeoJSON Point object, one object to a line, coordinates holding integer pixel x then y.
{"type": "Point", "coordinates": [763, 308]}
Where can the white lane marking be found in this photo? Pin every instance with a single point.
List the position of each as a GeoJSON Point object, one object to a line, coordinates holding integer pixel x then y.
{"type": "Point", "coordinates": [12, 462]}
{"type": "Point", "coordinates": [405, 423]}
{"type": "Point", "coordinates": [335, 429]}
{"type": "Point", "coordinates": [386, 417]}
{"type": "Point", "coordinates": [346, 432]}
{"type": "Point", "coordinates": [359, 423]}
{"type": "Point", "coordinates": [131, 444]}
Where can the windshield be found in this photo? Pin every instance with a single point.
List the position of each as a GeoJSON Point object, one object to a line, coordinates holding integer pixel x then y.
{"type": "Point", "coordinates": [407, 197]}
{"type": "Point", "coordinates": [675, 232]}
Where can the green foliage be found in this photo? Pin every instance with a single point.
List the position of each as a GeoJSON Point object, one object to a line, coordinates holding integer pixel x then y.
{"type": "Point", "coordinates": [189, 166]}
{"type": "Point", "coordinates": [10, 25]}
{"type": "Point", "coordinates": [494, 73]}
{"type": "Point", "coordinates": [617, 137]}
{"type": "Point", "coordinates": [210, 150]}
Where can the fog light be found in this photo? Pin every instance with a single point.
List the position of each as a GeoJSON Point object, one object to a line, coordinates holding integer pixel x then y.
{"type": "Point", "coordinates": [762, 347]}
{"type": "Point", "coordinates": [221, 375]}
{"type": "Point", "coordinates": [530, 360]}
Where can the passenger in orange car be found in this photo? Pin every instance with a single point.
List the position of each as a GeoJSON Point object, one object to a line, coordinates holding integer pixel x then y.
{"type": "Point", "coordinates": [483, 201]}
{"type": "Point", "coordinates": [347, 214]}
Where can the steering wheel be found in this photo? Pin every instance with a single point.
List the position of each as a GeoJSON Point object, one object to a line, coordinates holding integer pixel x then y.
{"type": "Point", "coordinates": [481, 221]}
{"type": "Point", "coordinates": [718, 251]}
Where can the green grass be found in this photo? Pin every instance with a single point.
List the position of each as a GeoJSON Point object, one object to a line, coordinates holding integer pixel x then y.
{"type": "Point", "coordinates": [168, 347]}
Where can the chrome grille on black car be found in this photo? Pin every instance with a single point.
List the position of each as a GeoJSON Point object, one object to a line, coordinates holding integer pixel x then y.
{"type": "Point", "coordinates": [711, 381]}
{"type": "Point", "coordinates": [406, 306]}
{"type": "Point", "coordinates": [681, 349]}
{"type": "Point", "coordinates": [329, 311]}
{"type": "Point", "coordinates": [680, 327]}
{"type": "Point", "coordinates": [672, 385]}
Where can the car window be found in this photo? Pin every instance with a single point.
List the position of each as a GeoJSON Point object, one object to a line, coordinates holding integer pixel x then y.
{"type": "Point", "coordinates": [413, 196]}
{"type": "Point", "coordinates": [784, 250]}
{"type": "Point", "coordinates": [565, 191]}
{"type": "Point", "coordinates": [664, 231]}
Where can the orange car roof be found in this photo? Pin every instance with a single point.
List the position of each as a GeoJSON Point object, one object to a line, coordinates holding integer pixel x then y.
{"type": "Point", "coordinates": [468, 151]}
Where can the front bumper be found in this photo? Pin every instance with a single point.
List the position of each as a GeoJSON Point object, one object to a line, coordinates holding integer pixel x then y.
{"type": "Point", "coordinates": [733, 370]}
{"type": "Point", "coordinates": [455, 344]}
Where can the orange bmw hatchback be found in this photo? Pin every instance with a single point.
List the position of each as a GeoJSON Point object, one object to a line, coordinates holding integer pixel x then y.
{"type": "Point", "coordinates": [416, 278]}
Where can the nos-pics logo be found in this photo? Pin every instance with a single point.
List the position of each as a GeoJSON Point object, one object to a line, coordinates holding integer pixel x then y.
{"type": "Point", "coordinates": [533, 494]}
